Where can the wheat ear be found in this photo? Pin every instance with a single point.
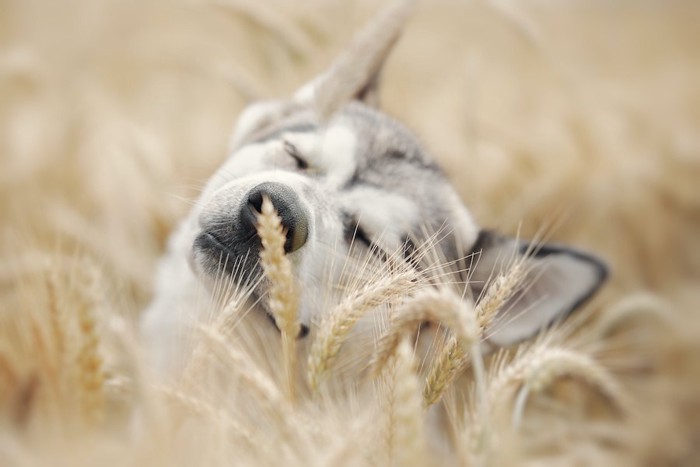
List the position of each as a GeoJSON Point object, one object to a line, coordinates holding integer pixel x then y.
{"type": "Point", "coordinates": [555, 363]}
{"type": "Point", "coordinates": [282, 295]}
{"type": "Point", "coordinates": [453, 359]}
{"type": "Point", "coordinates": [438, 305]}
{"type": "Point", "coordinates": [634, 306]}
{"type": "Point", "coordinates": [90, 371]}
{"type": "Point", "coordinates": [536, 370]}
{"type": "Point", "coordinates": [499, 291]}
{"type": "Point", "coordinates": [449, 363]}
{"type": "Point", "coordinates": [334, 329]}
{"type": "Point", "coordinates": [56, 320]}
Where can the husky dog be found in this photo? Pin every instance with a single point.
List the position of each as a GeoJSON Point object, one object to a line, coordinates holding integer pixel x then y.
{"type": "Point", "coordinates": [346, 180]}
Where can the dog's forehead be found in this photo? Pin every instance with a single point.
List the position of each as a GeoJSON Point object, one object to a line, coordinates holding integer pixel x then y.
{"type": "Point", "coordinates": [362, 161]}
{"type": "Point", "coordinates": [373, 140]}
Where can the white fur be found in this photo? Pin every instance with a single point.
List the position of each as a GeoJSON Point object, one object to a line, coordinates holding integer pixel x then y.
{"type": "Point", "coordinates": [337, 153]}
{"type": "Point", "coordinates": [384, 215]}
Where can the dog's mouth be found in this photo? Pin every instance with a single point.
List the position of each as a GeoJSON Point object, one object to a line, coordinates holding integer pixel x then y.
{"type": "Point", "coordinates": [240, 268]}
{"type": "Point", "coordinates": [233, 256]}
{"type": "Point", "coordinates": [218, 256]}
{"type": "Point", "coordinates": [207, 240]}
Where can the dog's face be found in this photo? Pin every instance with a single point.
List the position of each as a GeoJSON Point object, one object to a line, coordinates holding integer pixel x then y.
{"type": "Point", "coordinates": [351, 183]}
{"type": "Point", "coordinates": [358, 185]}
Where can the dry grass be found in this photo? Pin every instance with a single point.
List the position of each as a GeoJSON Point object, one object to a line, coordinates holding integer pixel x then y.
{"type": "Point", "coordinates": [582, 115]}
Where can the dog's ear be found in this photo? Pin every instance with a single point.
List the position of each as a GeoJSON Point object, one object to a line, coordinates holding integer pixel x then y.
{"type": "Point", "coordinates": [354, 75]}
{"type": "Point", "coordinates": [555, 280]}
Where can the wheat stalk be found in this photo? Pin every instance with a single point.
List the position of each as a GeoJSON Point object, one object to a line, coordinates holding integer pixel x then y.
{"type": "Point", "coordinates": [282, 295]}
{"type": "Point", "coordinates": [199, 355]}
{"type": "Point", "coordinates": [264, 387]}
{"type": "Point", "coordinates": [335, 328]}
{"type": "Point", "coordinates": [8, 370]}
{"type": "Point", "coordinates": [406, 440]}
{"type": "Point", "coordinates": [208, 412]}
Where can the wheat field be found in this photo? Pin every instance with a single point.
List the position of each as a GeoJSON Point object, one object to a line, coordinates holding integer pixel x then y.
{"type": "Point", "coordinates": [576, 120]}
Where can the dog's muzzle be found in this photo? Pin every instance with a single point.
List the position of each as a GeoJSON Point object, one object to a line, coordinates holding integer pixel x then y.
{"type": "Point", "coordinates": [236, 238]}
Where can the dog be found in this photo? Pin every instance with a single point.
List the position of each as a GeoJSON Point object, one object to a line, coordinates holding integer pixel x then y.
{"type": "Point", "coordinates": [347, 181]}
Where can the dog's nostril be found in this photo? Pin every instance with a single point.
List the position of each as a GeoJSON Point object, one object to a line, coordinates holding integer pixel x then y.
{"type": "Point", "coordinates": [255, 200]}
{"type": "Point", "coordinates": [303, 328]}
{"type": "Point", "coordinates": [289, 208]}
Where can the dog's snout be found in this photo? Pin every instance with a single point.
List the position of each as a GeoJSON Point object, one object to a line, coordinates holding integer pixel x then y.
{"type": "Point", "coordinates": [289, 208]}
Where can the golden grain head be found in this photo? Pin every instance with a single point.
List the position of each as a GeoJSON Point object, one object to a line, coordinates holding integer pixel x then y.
{"type": "Point", "coordinates": [282, 295]}
{"type": "Point", "coordinates": [335, 328]}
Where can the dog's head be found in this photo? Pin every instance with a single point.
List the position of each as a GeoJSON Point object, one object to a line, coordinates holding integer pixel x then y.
{"type": "Point", "coordinates": [350, 182]}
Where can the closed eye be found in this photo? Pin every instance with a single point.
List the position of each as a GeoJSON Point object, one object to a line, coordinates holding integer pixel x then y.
{"type": "Point", "coordinates": [362, 236]}
{"type": "Point", "coordinates": [292, 151]}
{"type": "Point", "coordinates": [355, 232]}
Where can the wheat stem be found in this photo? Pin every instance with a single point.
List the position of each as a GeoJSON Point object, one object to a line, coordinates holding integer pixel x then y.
{"type": "Point", "coordinates": [254, 378]}
{"type": "Point", "coordinates": [408, 437]}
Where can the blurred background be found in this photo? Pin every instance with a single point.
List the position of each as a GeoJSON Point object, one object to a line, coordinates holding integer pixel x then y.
{"type": "Point", "coordinates": [580, 119]}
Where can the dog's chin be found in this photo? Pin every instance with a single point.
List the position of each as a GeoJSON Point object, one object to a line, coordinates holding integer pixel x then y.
{"type": "Point", "coordinates": [211, 274]}
{"type": "Point", "coordinates": [204, 269]}
{"type": "Point", "coordinates": [208, 262]}
{"type": "Point", "coordinates": [215, 267]}
{"type": "Point", "coordinates": [216, 257]}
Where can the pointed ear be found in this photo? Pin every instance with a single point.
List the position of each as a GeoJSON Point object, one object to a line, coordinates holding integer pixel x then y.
{"type": "Point", "coordinates": [556, 280]}
{"type": "Point", "coordinates": [369, 93]}
{"type": "Point", "coordinates": [354, 75]}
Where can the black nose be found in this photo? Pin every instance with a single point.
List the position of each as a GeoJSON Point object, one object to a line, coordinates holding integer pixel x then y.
{"type": "Point", "coordinates": [303, 328]}
{"type": "Point", "coordinates": [289, 208]}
